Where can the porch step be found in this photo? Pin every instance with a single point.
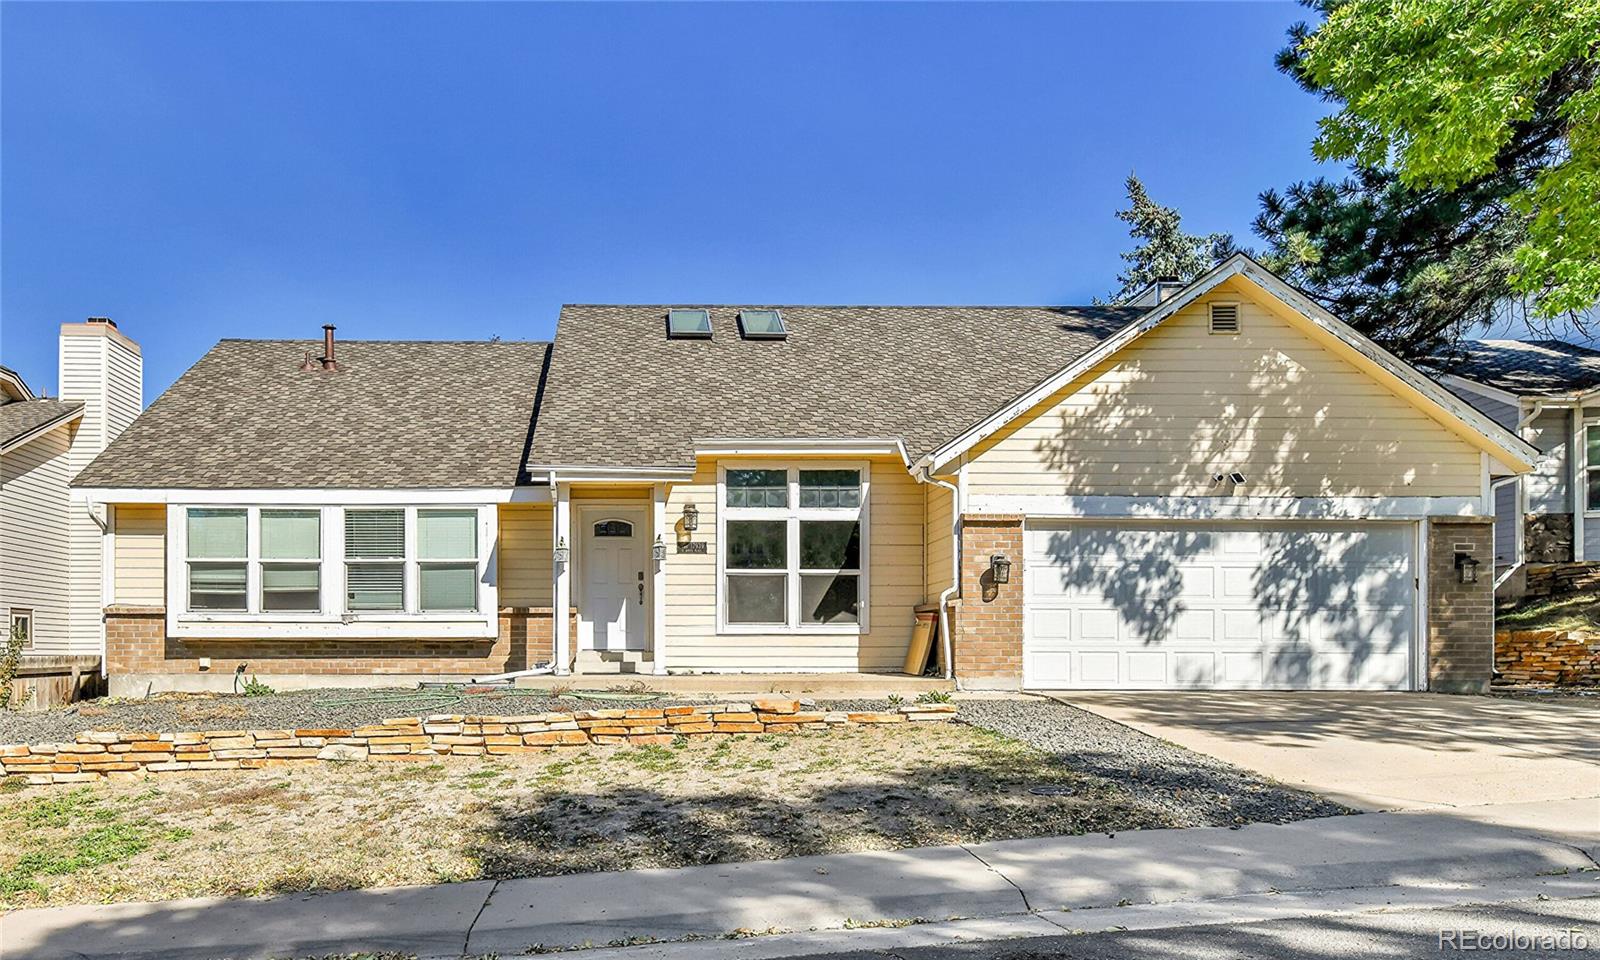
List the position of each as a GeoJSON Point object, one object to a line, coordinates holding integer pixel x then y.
{"type": "Point", "coordinates": [614, 661]}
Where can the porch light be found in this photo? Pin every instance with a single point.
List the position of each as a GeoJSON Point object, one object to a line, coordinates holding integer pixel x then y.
{"type": "Point", "coordinates": [691, 517]}
{"type": "Point", "coordinates": [658, 550]}
{"type": "Point", "coordinates": [1467, 568]}
{"type": "Point", "coordinates": [560, 554]}
{"type": "Point", "coordinates": [1000, 568]}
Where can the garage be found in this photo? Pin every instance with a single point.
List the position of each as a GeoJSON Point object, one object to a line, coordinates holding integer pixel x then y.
{"type": "Point", "coordinates": [1171, 604]}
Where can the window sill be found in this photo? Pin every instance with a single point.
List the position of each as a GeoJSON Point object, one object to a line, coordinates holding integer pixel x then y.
{"type": "Point", "coordinates": [474, 626]}
{"type": "Point", "coordinates": [754, 629]}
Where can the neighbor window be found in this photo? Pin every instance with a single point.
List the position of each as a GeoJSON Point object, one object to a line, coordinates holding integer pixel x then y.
{"type": "Point", "coordinates": [22, 626]}
{"type": "Point", "coordinates": [1591, 452]}
{"type": "Point", "coordinates": [793, 541]}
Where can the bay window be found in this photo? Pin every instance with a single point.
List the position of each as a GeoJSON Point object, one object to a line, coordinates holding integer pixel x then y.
{"type": "Point", "coordinates": [332, 568]}
{"type": "Point", "coordinates": [793, 549]}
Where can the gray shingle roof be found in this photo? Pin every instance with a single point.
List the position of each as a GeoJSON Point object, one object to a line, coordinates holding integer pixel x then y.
{"type": "Point", "coordinates": [20, 416]}
{"type": "Point", "coordinates": [399, 414]}
{"type": "Point", "coordinates": [619, 393]}
{"type": "Point", "coordinates": [1529, 367]}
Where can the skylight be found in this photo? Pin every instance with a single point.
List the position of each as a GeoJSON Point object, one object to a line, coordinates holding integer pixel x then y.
{"type": "Point", "coordinates": [762, 325]}
{"type": "Point", "coordinates": [689, 324]}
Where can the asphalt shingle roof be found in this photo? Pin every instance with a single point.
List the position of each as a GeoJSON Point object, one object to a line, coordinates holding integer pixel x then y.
{"type": "Point", "coordinates": [1528, 367]}
{"type": "Point", "coordinates": [620, 393]}
{"type": "Point", "coordinates": [21, 416]}
{"type": "Point", "coordinates": [399, 414]}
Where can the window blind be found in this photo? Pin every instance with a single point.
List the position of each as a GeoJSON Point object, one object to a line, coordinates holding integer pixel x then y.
{"type": "Point", "coordinates": [374, 534]}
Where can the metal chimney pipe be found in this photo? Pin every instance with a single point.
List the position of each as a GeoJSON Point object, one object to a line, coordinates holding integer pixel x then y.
{"type": "Point", "coordinates": [327, 347]}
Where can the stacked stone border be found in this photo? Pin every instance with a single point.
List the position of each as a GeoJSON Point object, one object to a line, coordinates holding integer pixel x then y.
{"type": "Point", "coordinates": [1547, 658]}
{"type": "Point", "coordinates": [108, 754]}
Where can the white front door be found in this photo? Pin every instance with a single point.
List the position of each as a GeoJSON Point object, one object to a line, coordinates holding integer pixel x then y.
{"type": "Point", "coordinates": [1218, 605]}
{"type": "Point", "coordinates": [614, 563]}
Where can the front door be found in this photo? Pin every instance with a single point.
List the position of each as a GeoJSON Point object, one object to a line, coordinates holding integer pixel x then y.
{"type": "Point", "coordinates": [613, 559]}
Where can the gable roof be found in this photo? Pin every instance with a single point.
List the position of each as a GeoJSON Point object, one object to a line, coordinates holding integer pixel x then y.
{"type": "Point", "coordinates": [621, 394]}
{"type": "Point", "coordinates": [22, 420]}
{"type": "Point", "coordinates": [1492, 436]}
{"type": "Point", "coordinates": [1530, 368]}
{"type": "Point", "coordinates": [398, 414]}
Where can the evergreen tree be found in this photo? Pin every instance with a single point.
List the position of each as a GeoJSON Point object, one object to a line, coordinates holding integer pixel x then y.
{"type": "Point", "coordinates": [1163, 249]}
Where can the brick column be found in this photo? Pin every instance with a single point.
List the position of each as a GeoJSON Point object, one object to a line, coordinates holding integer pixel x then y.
{"type": "Point", "coordinates": [988, 620]}
{"type": "Point", "coordinates": [1460, 615]}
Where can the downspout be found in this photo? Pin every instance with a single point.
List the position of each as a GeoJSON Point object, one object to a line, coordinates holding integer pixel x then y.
{"type": "Point", "coordinates": [955, 571]}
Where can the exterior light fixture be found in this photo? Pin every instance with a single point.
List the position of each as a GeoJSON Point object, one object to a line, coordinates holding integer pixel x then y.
{"type": "Point", "coordinates": [691, 517]}
{"type": "Point", "coordinates": [561, 552]}
{"type": "Point", "coordinates": [1467, 568]}
{"type": "Point", "coordinates": [1000, 568]}
{"type": "Point", "coordinates": [658, 550]}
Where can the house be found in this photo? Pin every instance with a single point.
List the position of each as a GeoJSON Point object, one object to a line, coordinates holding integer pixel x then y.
{"type": "Point", "coordinates": [50, 547]}
{"type": "Point", "coordinates": [1218, 486]}
{"type": "Point", "coordinates": [1548, 392]}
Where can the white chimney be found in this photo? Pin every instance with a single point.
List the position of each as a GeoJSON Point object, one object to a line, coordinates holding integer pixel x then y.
{"type": "Point", "coordinates": [100, 366]}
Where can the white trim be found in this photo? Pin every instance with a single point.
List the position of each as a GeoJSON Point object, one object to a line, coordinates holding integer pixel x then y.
{"type": "Point", "coordinates": [108, 573]}
{"type": "Point", "coordinates": [1419, 667]}
{"type": "Point", "coordinates": [1578, 454]}
{"type": "Point", "coordinates": [1517, 452]}
{"type": "Point", "coordinates": [42, 429]}
{"type": "Point", "coordinates": [562, 531]}
{"type": "Point", "coordinates": [794, 512]}
{"type": "Point", "coordinates": [1225, 508]}
{"type": "Point", "coordinates": [578, 473]}
{"type": "Point", "coordinates": [17, 383]}
{"type": "Point", "coordinates": [807, 447]}
{"type": "Point", "coordinates": [332, 620]}
{"type": "Point", "coordinates": [1486, 482]}
{"type": "Point", "coordinates": [313, 496]}
{"type": "Point", "coordinates": [660, 530]}
{"type": "Point", "coordinates": [1484, 390]}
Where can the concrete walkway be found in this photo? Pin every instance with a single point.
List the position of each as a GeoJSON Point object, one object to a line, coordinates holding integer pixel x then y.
{"type": "Point", "coordinates": [1008, 878]}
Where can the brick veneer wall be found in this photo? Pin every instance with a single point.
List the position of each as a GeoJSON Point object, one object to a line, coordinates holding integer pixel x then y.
{"type": "Point", "coordinates": [1460, 615]}
{"type": "Point", "coordinates": [988, 620]}
{"type": "Point", "coordinates": [137, 643]}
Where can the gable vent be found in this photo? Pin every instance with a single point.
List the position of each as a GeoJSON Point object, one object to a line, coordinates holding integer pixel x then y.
{"type": "Point", "coordinates": [1224, 318]}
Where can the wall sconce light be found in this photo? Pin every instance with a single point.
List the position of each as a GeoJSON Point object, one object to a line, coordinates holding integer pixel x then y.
{"type": "Point", "coordinates": [658, 550]}
{"type": "Point", "coordinates": [561, 552]}
{"type": "Point", "coordinates": [1000, 568]}
{"type": "Point", "coordinates": [1467, 568]}
{"type": "Point", "coordinates": [691, 517]}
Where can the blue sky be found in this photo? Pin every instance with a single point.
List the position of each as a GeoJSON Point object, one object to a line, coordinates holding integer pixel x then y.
{"type": "Point", "coordinates": [199, 171]}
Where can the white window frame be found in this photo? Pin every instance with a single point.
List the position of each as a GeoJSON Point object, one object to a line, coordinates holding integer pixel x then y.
{"type": "Point", "coordinates": [793, 514]}
{"type": "Point", "coordinates": [333, 620]}
{"type": "Point", "coordinates": [1582, 493]}
{"type": "Point", "coordinates": [26, 613]}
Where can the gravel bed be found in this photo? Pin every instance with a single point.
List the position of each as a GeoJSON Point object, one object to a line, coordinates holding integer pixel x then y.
{"type": "Point", "coordinates": [1195, 790]}
{"type": "Point", "coordinates": [329, 708]}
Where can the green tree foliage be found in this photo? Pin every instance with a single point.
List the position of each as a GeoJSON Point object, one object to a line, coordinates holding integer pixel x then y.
{"type": "Point", "coordinates": [1474, 133]}
{"type": "Point", "coordinates": [1163, 249]}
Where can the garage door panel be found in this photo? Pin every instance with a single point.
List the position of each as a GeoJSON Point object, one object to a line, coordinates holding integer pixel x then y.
{"type": "Point", "coordinates": [1227, 605]}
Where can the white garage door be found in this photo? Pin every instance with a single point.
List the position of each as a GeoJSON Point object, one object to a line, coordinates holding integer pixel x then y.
{"type": "Point", "coordinates": [1286, 606]}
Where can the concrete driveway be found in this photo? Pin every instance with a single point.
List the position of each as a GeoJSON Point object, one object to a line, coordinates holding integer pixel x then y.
{"type": "Point", "coordinates": [1510, 761]}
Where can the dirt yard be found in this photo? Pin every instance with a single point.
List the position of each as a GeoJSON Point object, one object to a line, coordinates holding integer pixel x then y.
{"type": "Point", "coordinates": [344, 826]}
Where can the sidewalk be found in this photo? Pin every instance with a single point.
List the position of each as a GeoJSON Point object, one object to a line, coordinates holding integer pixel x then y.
{"type": "Point", "coordinates": [936, 883]}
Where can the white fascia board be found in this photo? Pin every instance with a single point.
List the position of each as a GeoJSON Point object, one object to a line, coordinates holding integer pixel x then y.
{"type": "Point", "coordinates": [1483, 389]}
{"type": "Point", "coordinates": [41, 430]}
{"type": "Point", "coordinates": [1515, 449]}
{"type": "Point", "coordinates": [816, 446]}
{"type": "Point", "coordinates": [307, 495]}
{"type": "Point", "coordinates": [14, 380]}
{"type": "Point", "coordinates": [578, 473]}
{"type": "Point", "coordinates": [1224, 508]}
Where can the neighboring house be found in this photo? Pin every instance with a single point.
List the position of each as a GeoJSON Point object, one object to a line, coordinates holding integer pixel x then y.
{"type": "Point", "coordinates": [1222, 486]}
{"type": "Point", "coordinates": [1548, 392]}
{"type": "Point", "coordinates": [50, 559]}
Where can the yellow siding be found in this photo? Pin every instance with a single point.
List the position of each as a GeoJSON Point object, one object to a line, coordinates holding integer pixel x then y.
{"type": "Point", "coordinates": [1181, 404]}
{"type": "Point", "coordinates": [140, 555]}
{"type": "Point", "coordinates": [938, 562]}
{"type": "Point", "coordinates": [895, 579]}
{"type": "Point", "coordinates": [523, 564]}
{"type": "Point", "coordinates": [611, 491]}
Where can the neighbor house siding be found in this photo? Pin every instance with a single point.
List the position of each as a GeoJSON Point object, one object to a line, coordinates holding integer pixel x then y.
{"type": "Point", "coordinates": [34, 543]}
{"type": "Point", "coordinates": [139, 558]}
{"type": "Point", "coordinates": [524, 558]}
{"type": "Point", "coordinates": [895, 578]}
{"type": "Point", "coordinates": [1180, 404]}
{"type": "Point", "coordinates": [938, 537]}
{"type": "Point", "coordinates": [1550, 483]}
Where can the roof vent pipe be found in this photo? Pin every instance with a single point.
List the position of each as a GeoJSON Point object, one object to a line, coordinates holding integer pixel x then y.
{"type": "Point", "coordinates": [327, 348]}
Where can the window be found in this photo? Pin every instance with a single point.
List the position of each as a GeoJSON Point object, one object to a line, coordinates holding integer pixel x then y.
{"type": "Point", "coordinates": [793, 548]}
{"type": "Point", "coordinates": [291, 560]}
{"type": "Point", "coordinates": [22, 626]}
{"type": "Point", "coordinates": [762, 325]}
{"type": "Point", "coordinates": [1591, 466]}
{"type": "Point", "coordinates": [218, 559]}
{"type": "Point", "coordinates": [374, 559]}
{"type": "Point", "coordinates": [689, 324]}
{"type": "Point", "coordinates": [447, 552]}
{"type": "Point", "coordinates": [613, 528]}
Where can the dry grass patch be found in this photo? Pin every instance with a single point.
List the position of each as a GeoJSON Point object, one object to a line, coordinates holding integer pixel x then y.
{"type": "Point", "coordinates": [328, 826]}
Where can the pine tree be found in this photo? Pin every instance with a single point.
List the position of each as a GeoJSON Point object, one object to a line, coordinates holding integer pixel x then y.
{"type": "Point", "coordinates": [1163, 249]}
